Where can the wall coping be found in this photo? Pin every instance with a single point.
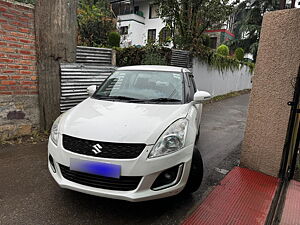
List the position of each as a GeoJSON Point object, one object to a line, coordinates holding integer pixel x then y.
{"type": "Point", "coordinates": [19, 3]}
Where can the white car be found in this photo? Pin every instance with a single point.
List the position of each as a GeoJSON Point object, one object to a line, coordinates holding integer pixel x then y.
{"type": "Point", "coordinates": [134, 138]}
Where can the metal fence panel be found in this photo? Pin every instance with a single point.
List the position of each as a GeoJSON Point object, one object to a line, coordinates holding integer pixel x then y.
{"type": "Point", "coordinates": [93, 55]}
{"type": "Point", "coordinates": [75, 78]}
{"type": "Point", "coordinates": [181, 58]}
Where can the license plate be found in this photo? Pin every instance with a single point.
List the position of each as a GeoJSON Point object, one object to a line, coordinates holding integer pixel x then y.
{"type": "Point", "coordinates": [96, 168]}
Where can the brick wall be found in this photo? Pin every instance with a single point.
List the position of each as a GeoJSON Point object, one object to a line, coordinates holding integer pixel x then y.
{"type": "Point", "coordinates": [18, 75]}
{"type": "Point", "coordinates": [17, 50]}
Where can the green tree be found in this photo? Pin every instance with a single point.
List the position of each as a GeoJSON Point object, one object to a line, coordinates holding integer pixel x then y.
{"type": "Point", "coordinates": [95, 22]}
{"type": "Point", "coordinates": [188, 19]}
{"type": "Point", "coordinates": [248, 20]}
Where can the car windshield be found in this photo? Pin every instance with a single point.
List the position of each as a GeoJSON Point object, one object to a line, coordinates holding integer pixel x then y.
{"type": "Point", "coordinates": [142, 86]}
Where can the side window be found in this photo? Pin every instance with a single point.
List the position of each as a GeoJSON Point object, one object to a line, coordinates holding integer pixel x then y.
{"type": "Point", "coordinates": [193, 83]}
{"type": "Point", "coordinates": [189, 87]}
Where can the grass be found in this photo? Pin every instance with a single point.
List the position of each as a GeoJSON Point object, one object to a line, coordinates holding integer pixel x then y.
{"type": "Point", "coordinates": [229, 95]}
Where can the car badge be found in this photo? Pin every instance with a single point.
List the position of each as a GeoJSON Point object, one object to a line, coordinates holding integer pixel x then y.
{"type": "Point", "coordinates": [97, 149]}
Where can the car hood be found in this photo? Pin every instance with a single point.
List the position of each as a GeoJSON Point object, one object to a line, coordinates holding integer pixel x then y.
{"type": "Point", "coordinates": [120, 122]}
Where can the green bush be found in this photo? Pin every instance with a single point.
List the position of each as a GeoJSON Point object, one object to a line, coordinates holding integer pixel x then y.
{"type": "Point", "coordinates": [223, 50]}
{"type": "Point", "coordinates": [151, 55]}
{"type": "Point", "coordinates": [239, 54]}
{"type": "Point", "coordinates": [114, 39]}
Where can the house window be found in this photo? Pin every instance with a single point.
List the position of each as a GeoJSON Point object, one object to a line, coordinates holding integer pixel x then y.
{"type": "Point", "coordinates": [151, 35]}
{"type": "Point", "coordinates": [164, 35]}
{"type": "Point", "coordinates": [153, 11]}
{"type": "Point", "coordinates": [136, 9]}
{"type": "Point", "coordinates": [124, 30]}
{"type": "Point", "coordinates": [213, 42]}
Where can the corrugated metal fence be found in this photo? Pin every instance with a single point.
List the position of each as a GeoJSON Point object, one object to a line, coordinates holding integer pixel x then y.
{"type": "Point", "coordinates": [94, 56]}
{"type": "Point", "coordinates": [75, 78]}
{"type": "Point", "coordinates": [92, 67]}
{"type": "Point", "coordinates": [181, 58]}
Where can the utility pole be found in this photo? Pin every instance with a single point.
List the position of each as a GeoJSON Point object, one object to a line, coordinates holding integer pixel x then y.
{"type": "Point", "coordinates": [56, 36]}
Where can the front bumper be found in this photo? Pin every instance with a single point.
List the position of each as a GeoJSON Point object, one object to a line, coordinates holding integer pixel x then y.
{"type": "Point", "coordinates": [148, 169]}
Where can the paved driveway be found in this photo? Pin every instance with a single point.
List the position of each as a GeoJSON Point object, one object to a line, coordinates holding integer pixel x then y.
{"type": "Point", "coordinates": [28, 194]}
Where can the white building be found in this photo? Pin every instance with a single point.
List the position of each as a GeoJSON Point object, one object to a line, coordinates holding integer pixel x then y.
{"type": "Point", "coordinates": [138, 22]}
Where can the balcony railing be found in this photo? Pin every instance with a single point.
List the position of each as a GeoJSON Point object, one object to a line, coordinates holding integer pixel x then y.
{"type": "Point", "coordinates": [132, 17]}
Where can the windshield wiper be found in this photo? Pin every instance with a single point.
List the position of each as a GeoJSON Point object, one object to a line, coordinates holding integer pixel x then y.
{"type": "Point", "coordinates": [117, 98]}
{"type": "Point", "coordinates": [162, 100]}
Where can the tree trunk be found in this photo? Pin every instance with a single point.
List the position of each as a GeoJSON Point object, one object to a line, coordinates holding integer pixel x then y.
{"type": "Point", "coordinates": [56, 37]}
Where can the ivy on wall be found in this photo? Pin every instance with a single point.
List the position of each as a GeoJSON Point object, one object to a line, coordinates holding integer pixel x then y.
{"type": "Point", "coordinates": [218, 61]}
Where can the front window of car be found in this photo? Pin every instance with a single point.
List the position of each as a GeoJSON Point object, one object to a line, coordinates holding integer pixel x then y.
{"type": "Point", "coordinates": [142, 86]}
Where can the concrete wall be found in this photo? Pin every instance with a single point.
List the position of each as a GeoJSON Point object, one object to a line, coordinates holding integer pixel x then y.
{"type": "Point", "coordinates": [220, 83]}
{"type": "Point", "coordinates": [277, 66]}
{"type": "Point", "coordinates": [18, 76]}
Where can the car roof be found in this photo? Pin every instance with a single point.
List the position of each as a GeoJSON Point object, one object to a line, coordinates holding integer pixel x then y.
{"type": "Point", "coordinates": [155, 68]}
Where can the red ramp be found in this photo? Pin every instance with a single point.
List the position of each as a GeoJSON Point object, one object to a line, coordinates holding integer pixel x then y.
{"type": "Point", "coordinates": [243, 197]}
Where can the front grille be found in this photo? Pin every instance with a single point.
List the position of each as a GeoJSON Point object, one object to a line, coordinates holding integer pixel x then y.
{"type": "Point", "coordinates": [121, 184]}
{"type": "Point", "coordinates": [108, 149]}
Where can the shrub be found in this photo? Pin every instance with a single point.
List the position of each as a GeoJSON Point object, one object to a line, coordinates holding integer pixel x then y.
{"type": "Point", "coordinates": [114, 39]}
{"type": "Point", "coordinates": [223, 50]}
{"type": "Point", "coordinates": [239, 54]}
{"type": "Point", "coordinates": [153, 55]}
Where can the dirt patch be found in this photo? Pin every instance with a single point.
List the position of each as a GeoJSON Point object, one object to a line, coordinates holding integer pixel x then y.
{"type": "Point", "coordinates": [35, 138]}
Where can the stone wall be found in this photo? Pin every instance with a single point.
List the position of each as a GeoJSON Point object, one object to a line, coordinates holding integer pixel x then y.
{"type": "Point", "coordinates": [18, 76]}
{"type": "Point", "coordinates": [276, 69]}
{"type": "Point", "coordinates": [18, 115]}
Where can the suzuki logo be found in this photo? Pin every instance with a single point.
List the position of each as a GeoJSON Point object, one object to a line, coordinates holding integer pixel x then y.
{"type": "Point", "coordinates": [97, 149]}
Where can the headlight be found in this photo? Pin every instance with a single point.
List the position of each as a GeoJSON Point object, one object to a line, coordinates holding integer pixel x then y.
{"type": "Point", "coordinates": [54, 130]}
{"type": "Point", "coordinates": [172, 140]}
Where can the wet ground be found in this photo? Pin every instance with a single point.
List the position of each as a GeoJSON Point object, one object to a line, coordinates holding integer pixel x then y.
{"type": "Point", "coordinates": [29, 195]}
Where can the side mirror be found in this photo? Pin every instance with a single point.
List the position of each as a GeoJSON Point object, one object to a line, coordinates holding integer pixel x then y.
{"type": "Point", "coordinates": [200, 96]}
{"type": "Point", "coordinates": [91, 89]}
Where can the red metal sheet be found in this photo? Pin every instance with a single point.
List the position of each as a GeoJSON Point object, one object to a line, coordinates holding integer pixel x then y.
{"type": "Point", "coordinates": [243, 197]}
{"type": "Point", "coordinates": [291, 210]}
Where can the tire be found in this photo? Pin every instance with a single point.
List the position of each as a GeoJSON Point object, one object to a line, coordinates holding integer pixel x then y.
{"type": "Point", "coordinates": [196, 173]}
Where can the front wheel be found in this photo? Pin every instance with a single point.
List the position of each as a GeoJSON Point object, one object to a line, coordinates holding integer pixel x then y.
{"type": "Point", "coordinates": [196, 173]}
